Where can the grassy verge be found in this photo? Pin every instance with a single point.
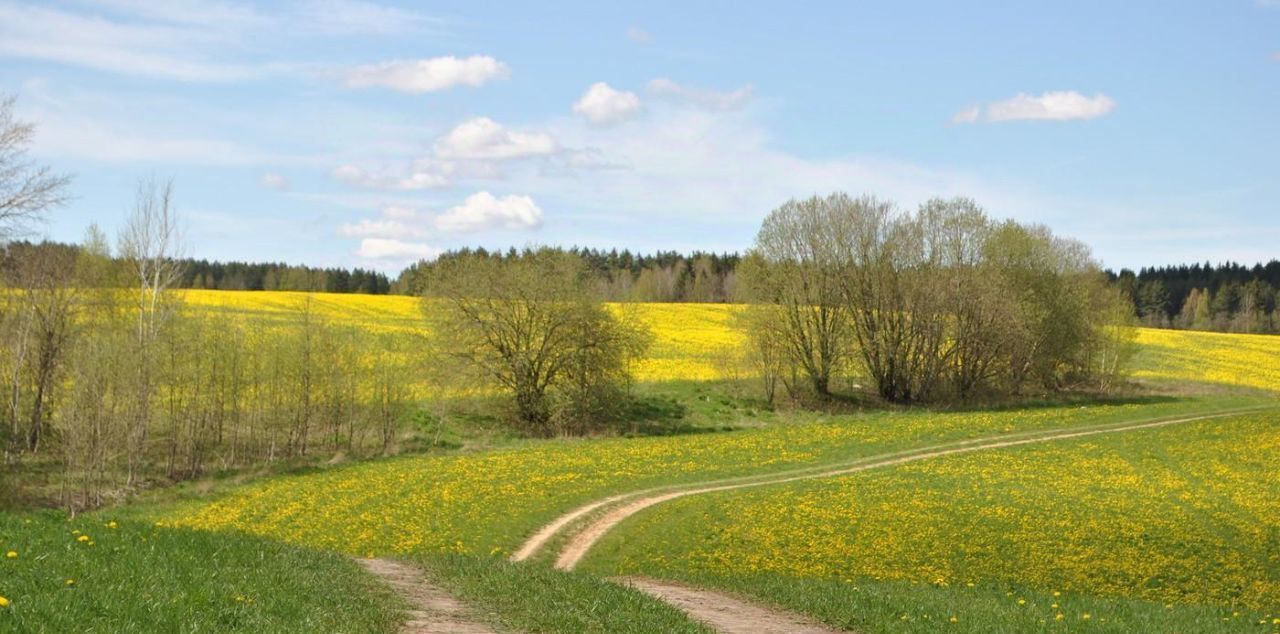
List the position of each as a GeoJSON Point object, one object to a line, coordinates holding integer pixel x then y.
{"type": "Point", "coordinates": [537, 599]}
{"type": "Point", "coordinates": [98, 575]}
{"type": "Point", "coordinates": [1172, 529]}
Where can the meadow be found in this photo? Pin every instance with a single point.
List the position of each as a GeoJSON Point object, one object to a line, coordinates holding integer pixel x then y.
{"type": "Point", "coordinates": [1158, 530]}
{"type": "Point", "coordinates": [1146, 530]}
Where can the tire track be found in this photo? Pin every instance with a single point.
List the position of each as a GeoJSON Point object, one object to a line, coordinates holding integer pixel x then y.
{"type": "Point", "coordinates": [628, 504]}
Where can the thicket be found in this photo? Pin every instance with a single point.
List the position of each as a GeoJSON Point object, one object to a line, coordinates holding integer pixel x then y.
{"type": "Point", "coordinates": [109, 378]}
{"type": "Point", "coordinates": [933, 304]}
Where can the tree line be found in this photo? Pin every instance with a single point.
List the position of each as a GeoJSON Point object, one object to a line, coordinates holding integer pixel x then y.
{"type": "Point", "coordinates": [278, 276]}
{"type": "Point", "coordinates": [616, 276]}
{"type": "Point", "coordinates": [1228, 297]}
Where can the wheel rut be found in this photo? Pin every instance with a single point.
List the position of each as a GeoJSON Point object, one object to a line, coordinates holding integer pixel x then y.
{"type": "Point", "coordinates": [434, 610]}
{"type": "Point", "coordinates": [582, 536]}
{"type": "Point", "coordinates": [725, 613]}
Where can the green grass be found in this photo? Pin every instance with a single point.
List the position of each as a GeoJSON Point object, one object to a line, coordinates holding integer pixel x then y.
{"type": "Point", "coordinates": [1170, 529]}
{"type": "Point", "coordinates": [140, 578]}
{"type": "Point", "coordinates": [532, 598]}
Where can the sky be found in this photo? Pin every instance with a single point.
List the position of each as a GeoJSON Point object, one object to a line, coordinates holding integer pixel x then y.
{"type": "Point", "coordinates": [372, 134]}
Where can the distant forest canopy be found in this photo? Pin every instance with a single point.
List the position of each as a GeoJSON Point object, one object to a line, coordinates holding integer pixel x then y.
{"type": "Point", "coordinates": [665, 276]}
{"type": "Point", "coordinates": [250, 276]}
{"type": "Point", "coordinates": [1228, 297]}
{"type": "Point", "coordinates": [278, 276]}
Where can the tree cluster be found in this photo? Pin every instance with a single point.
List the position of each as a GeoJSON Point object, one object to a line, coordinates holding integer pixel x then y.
{"type": "Point", "coordinates": [533, 326]}
{"type": "Point", "coordinates": [934, 304]}
{"type": "Point", "coordinates": [1226, 298]}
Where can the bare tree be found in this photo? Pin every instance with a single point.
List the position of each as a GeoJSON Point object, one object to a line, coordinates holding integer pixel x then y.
{"type": "Point", "coordinates": [794, 268]}
{"type": "Point", "coordinates": [26, 189]}
{"type": "Point", "coordinates": [151, 247]}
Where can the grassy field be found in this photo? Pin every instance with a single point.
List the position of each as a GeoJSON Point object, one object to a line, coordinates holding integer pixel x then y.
{"type": "Point", "coordinates": [94, 574]}
{"type": "Point", "coordinates": [1173, 529]}
{"type": "Point", "coordinates": [486, 503]}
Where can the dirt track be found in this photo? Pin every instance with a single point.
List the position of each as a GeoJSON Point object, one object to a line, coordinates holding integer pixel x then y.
{"type": "Point", "coordinates": [434, 610]}
{"type": "Point", "coordinates": [581, 542]}
{"type": "Point", "coordinates": [725, 613]}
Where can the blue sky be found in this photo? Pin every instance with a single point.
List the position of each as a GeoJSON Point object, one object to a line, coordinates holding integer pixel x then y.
{"type": "Point", "coordinates": [346, 132]}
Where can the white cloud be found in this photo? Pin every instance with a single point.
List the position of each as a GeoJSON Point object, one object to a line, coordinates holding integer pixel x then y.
{"type": "Point", "coordinates": [1062, 105]}
{"type": "Point", "coordinates": [396, 250]}
{"type": "Point", "coordinates": [968, 115]}
{"type": "Point", "coordinates": [418, 179]}
{"type": "Point", "coordinates": [603, 105]}
{"type": "Point", "coordinates": [710, 99]}
{"type": "Point", "coordinates": [483, 138]}
{"type": "Point", "coordinates": [482, 211]}
{"type": "Point", "coordinates": [639, 35]}
{"type": "Point", "coordinates": [271, 180]}
{"type": "Point", "coordinates": [428, 75]}
{"type": "Point", "coordinates": [169, 51]}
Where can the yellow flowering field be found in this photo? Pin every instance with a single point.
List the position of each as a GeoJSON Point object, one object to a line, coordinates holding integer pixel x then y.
{"type": "Point", "coordinates": [1188, 514]}
{"type": "Point", "coordinates": [1228, 359]}
{"type": "Point", "coordinates": [695, 341]}
{"type": "Point", "coordinates": [487, 502]}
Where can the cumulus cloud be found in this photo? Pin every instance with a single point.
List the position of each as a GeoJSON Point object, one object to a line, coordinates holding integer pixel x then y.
{"type": "Point", "coordinates": [428, 75]}
{"type": "Point", "coordinates": [710, 99]}
{"type": "Point", "coordinates": [1062, 105]}
{"type": "Point", "coordinates": [396, 250]}
{"type": "Point", "coordinates": [482, 211]}
{"type": "Point", "coordinates": [484, 138]}
{"type": "Point", "coordinates": [271, 180]}
{"type": "Point", "coordinates": [604, 105]}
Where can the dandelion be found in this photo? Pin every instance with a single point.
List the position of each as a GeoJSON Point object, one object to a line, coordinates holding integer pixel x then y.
{"type": "Point", "coordinates": [82, 538]}
{"type": "Point", "coordinates": [4, 603]}
{"type": "Point", "coordinates": [70, 582]}
{"type": "Point", "coordinates": [13, 554]}
{"type": "Point", "coordinates": [112, 525]}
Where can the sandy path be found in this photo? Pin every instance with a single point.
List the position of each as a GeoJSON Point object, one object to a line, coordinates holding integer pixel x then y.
{"type": "Point", "coordinates": [725, 613]}
{"type": "Point", "coordinates": [580, 543]}
{"type": "Point", "coordinates": [434, 610]}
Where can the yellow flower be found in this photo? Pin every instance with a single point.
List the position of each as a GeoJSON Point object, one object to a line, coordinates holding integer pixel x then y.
{"type": "Point", "coordinates": [112, 524]}
{"type": "Point", "coordinates": [13, 554]}
{"type": "Point", "coordinates": [1022, 601]}
{"type": "Point", "coordinates": [1086, 616]}
{"type": "Point", "coordinates": [82, 538]}
{"type": "Point", "coordinates": [71, 582]}
{"type": "Point", "coordinates": [955, 619]}
{"type": "Point", "coordinates": [4, 603]}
